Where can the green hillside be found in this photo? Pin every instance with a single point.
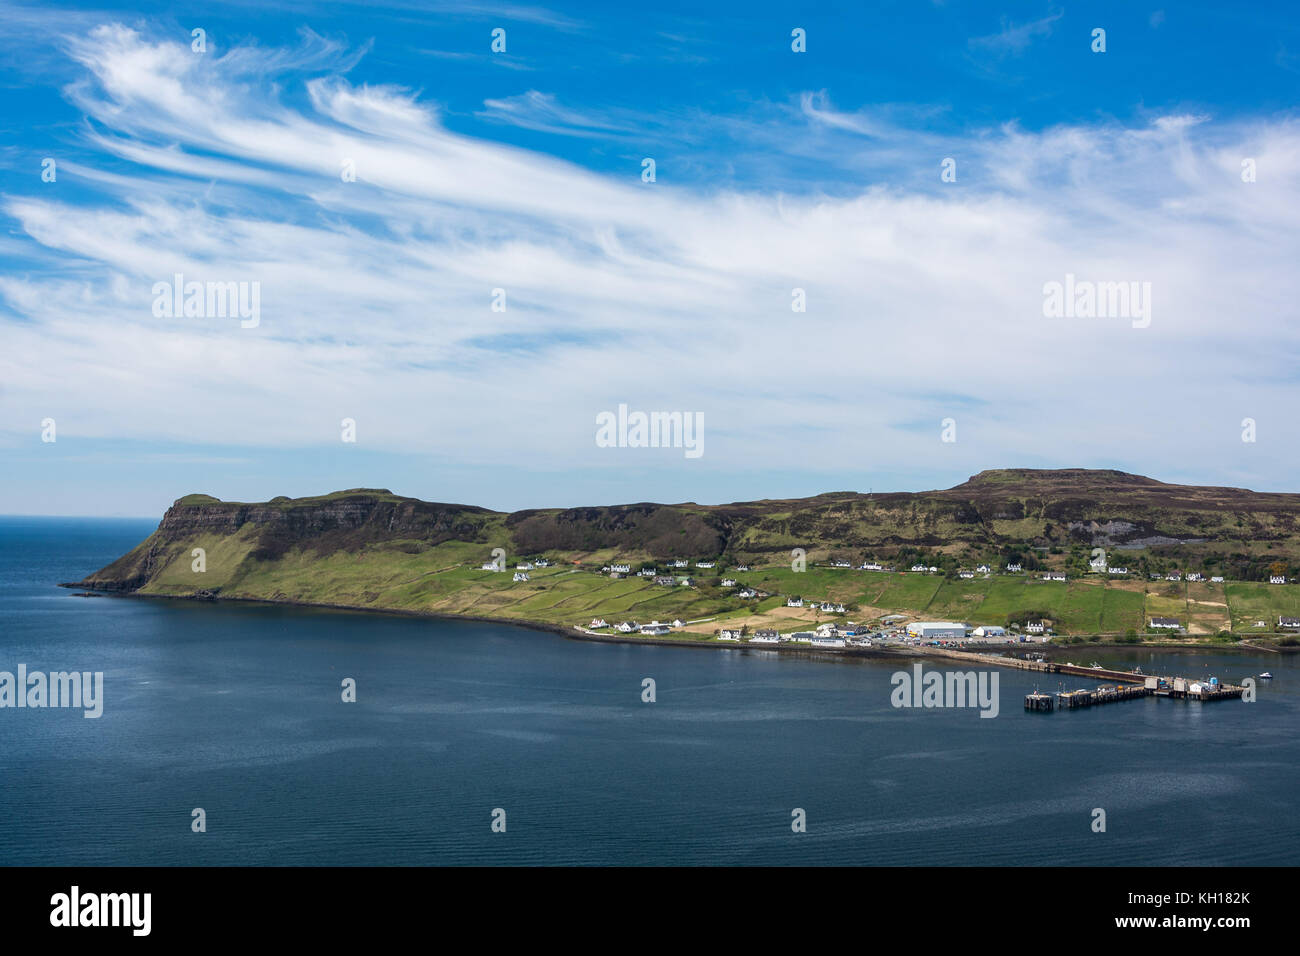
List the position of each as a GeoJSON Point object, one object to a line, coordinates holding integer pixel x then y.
{"type": "Point", "coordinates": [373, 548]}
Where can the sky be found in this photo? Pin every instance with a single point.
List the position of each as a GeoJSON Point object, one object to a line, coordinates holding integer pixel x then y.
{"type": "Point", "coordinates": [841, 268]}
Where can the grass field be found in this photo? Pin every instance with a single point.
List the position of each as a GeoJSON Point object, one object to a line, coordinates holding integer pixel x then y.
{"type": "Point", "coordinates": [448, 579]}
{"type": "Point", "coordinates": [1249, 602]}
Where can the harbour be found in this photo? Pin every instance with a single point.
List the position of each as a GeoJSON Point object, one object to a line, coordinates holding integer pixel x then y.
{"type": "Point", "coordinates": [1133, 687]}
{"type": "Point", "coordinates": [1120, 685]}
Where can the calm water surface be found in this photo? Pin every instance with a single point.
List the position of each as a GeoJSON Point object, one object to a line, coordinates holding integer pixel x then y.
{"type": "Point", "coordinates": [236, 709]}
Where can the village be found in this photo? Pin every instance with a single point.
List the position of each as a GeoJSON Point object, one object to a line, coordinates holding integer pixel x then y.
{"type": "Point", "coordinates": [890, 631]}
{"type": "Point", "coordinates": [768, 627]}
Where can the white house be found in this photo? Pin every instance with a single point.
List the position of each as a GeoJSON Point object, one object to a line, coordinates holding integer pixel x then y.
{"type": "Point", "coordinates": [542, 563]}
{"type": "Point", "coordinates": [965, 574]}
{"type": "Point", "coordinates": [729, 634]}
{"type": "Point", "coordinates": [918, 567]}
{"type": "Point", "coordinates": [679, 623]}
{"type": "Point", "coordinates": [802, 637]}
{"type": "Point", "coordinates": [1119, 570]}
{"type": "Point", "coordinates": [655, 628]}
{"type": "Point", "coordinates": [794, 602]}
{"type": "Point", "coordinates": [728, 582]}
{"type": "Point", "coordinates": [840, 564]}
{"type": "Point", "coordinates": [491, 566]}
{"type": "Point", "coordinates": [1217, 579]}
{"type": "Point", "coordinates": [524, 566]}
{"type": "Point", "coordinates": [983, 569]}
{"type": "Point", "coordinates": [1195, 576]}
{"type": "Point", "coordinates": [621, 568]}
{"type": "Point", "coordinates": [680, 563]}
{"type": "Point", "coordinates": [1290, 622]}
{"type": "Point", "coordinates": [521, 576]}
{"type": "Point", "coordinates": [1013, 569]}
{"type": "Point", "coordinates": [1277, 579]}
{"type": "Point", "coordinates": [1166, 623]}
{"type": "Point", "coordinates": [704, 564]}
{"type": "Point", "coordinates": [627, 627]}
{"type": "Point", "coordinates": [1174, 576]}
{"type": "Point", "coordinates": [1036, 627]}
{"type": "Point", "coordinates": [597, 623]}
{"type": "Point", "coordinates": [1054, 576]}
{"type": "Point", "coordinates": [647, 573]}
{"type": "Point", "coordinates": [765, 636]}
{"type": "Point", "coordinates": [826, 640]}
{"type": "Point", "coordinates": [747, 593]}
{"type": "Point", "coordinates": [742, 567]}
{"type": "Point", "coordinates": [872, 567]}
{"type": "Point", "coordinates": [989, 630]}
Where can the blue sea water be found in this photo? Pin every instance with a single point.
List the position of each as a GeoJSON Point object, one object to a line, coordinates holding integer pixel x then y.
{"type": "Point", "coordinates": [237, 709]}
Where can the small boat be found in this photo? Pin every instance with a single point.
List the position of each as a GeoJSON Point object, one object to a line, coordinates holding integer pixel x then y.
{"type": "Point", "coordinates": [1266, 676]}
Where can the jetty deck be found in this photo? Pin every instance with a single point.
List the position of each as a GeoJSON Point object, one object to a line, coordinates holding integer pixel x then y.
{"type": "Point", "coordinates": [1178, 688]}
{"type": "Point", "coordinates": [1070, 699]}
{"type": "Point", "coordinates": [1116, 685]}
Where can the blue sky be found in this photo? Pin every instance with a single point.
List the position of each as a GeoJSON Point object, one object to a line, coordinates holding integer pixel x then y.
{"type": "Point", "coordinates": [522, 171]}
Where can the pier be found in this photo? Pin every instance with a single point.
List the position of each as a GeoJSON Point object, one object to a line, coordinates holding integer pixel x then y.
{"type": "Point", "coordinates": [1179, 688]}
{"type": "Point", "coordinates": [1078, 670]}
{"type": "Point", "coordinates": [1105, 694]}
{"type": "Point", "coordinates": [1042, 667]}
{"type": "Point", "coordinates": [1121, 685]}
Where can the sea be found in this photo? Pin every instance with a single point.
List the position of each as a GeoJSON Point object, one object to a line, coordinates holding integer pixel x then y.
{"type": "Point", "coordinates": [489, 744]}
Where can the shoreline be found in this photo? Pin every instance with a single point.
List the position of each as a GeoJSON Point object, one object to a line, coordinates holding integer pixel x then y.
{"type": "Point", "coordinates": [578, 633]}
{"type": "Point", "coordinates": [571, 631]}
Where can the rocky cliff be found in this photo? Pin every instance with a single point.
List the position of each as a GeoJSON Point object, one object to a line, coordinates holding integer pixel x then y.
{"type": "Point", "coordinates": [1003, 511]}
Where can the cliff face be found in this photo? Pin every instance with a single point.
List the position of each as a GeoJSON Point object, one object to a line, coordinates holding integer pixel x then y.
{"type": "Point", "coordinates": [308, 517]}
{"type": "Point", "coordinates": [995, 510]}
{"type": "Point", "coordinates": [659, 530]}
{"type": "Point", "coordinates": [345, 521]}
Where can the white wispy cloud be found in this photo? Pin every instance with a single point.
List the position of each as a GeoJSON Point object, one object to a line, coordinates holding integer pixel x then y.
{"type": "Point", "coordinates": [1014, 38]}
{"type": "Point", "coordinates": [924, 298]}
{"type": "Point", "coordinates": [543, 112]}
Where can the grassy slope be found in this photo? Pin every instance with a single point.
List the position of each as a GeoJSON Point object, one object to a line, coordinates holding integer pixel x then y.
{"type": "Point", "coordinates": [447, 579]}
{"type": "Point", "coordinates": [973, 522]}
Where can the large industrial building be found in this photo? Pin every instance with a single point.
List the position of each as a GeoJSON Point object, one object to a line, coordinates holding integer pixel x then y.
{"type": "Point", "coordinates": [936, 630]}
